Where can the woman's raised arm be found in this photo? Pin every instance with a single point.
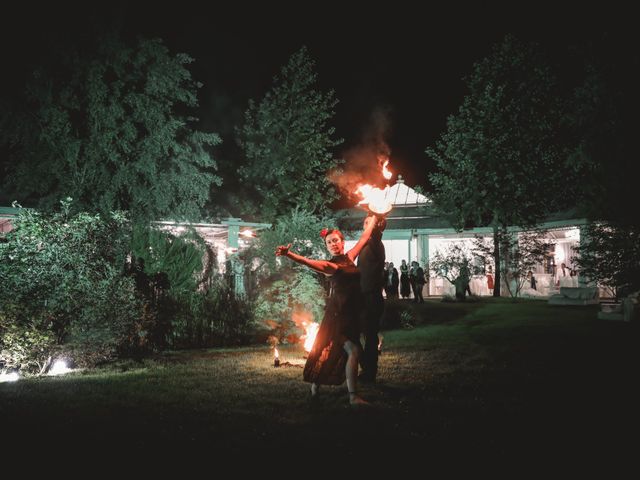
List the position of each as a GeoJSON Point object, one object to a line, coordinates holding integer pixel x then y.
{"type": "Point", "coordinates": [369, 225]}
{"type": "Point", "coordinates": [322, 266]}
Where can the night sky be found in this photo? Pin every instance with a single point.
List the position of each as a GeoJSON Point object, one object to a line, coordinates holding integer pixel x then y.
{"type": "Point", "coordinates": [405, 62]}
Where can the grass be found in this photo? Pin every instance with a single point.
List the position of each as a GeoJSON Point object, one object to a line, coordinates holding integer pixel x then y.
{"type": "Point", "coordinates": [488, 379]}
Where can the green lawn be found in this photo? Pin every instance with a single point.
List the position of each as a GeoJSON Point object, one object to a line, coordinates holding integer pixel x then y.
{"type": "Point", "coordinates": [488, 379]}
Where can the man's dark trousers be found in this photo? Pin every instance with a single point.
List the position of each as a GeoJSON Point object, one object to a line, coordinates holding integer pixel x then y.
{"type": "Point", "coordinates": [373, 309]}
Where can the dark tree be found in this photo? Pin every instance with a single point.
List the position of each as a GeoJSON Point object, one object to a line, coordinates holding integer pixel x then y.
{"type": "Point", "coordinates": [498, 157]}
{"type": "Point", "coordinates": [602, 120]}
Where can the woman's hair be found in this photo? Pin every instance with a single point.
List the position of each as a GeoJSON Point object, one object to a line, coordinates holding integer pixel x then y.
{"type": "Point", "coordinates": [328, 231]}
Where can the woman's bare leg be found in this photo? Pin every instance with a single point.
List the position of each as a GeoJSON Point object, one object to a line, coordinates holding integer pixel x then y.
{"type": "Point", "coordinates": [351, 371]}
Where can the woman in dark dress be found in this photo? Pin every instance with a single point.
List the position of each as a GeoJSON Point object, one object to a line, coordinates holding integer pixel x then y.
{"type": "Point", "coordinates": [405, 286]}
{"type": "Point", "coordinates": [334, 355]}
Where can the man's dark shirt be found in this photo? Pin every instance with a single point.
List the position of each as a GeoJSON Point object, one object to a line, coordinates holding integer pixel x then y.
{"type": "Point", "coordinates": [371, 264]}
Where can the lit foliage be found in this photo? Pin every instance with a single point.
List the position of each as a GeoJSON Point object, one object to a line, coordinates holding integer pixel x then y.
{"type": "Point", "coordinates": [177, 257]}
{"type": "Point", "coordinates": [293, 291]}
{"type": "Point", "coordinates": [299, 227]}
{"type": "Point", "coordinates": [61, 281]}
{"type": "Point", "coordinates": [286, 139]}
{"type": "Point", "coordinates": [286, 286]}
{"type": "Point", "coordinates": [109, 128]}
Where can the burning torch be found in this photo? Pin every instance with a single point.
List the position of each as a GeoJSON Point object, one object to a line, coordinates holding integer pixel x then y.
{"type": "Point", "coordinates": [276, 358]}
{"type": "Point", "coordinates": [375, 199]}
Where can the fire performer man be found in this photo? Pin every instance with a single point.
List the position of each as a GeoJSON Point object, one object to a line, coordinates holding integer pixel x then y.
{"type": "Point", "coordinates": [372, 279]}
{"type": "Point", "coordinates": [334, 355]}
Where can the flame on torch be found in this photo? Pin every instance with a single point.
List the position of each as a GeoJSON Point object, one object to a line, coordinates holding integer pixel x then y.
{"type": "Point", "coordinates": [374, 197]}
{"type": "Point", "coordinates": [248, 233]}
{"type": "Point", "coordinates": [276, 357]}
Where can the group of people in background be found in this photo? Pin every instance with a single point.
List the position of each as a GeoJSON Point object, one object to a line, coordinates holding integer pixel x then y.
{"type": "Point", "coordinates": [355, 304]}
{"type": "Point", "coordinates": [566, 276]}
{"type": "Point", "coordinates": [411, 279]}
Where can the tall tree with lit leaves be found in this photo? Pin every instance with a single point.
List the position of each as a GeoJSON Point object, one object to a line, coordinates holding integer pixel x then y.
{"type": "Point", "coordinates": [497, 160]}
{"type": "Point", "coordinates": [108, 124]}
{"type": "Point", "coordinates": [287, 140]}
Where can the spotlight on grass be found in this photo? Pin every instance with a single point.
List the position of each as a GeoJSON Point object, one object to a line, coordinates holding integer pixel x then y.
{"type": "Point", "coordinates": [9, 377]}
{"type": "Point", "coordinates": [59, 368]}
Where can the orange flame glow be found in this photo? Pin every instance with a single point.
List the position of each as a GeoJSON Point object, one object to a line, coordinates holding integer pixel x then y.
{"type": "Point", "coordinates": [248, 233]}
{"type": "Point", "coordinates": [310, 335]}
{"type": "Point", "coordinates": [375, 198]}
{"type": "Point", "coordinates": [305, 321]}
{"type": "Point", "coordinates": [275, 353]}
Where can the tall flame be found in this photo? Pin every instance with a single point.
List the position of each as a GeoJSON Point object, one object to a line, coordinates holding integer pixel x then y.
{"type": "Point", "coordinates": [305, 321]}
{"type": "Point", "coordinates": [374, 197]}
{"type": "Point", "coordinates": [310, 335]}
{"type": "Point", "coordinates": [386, 173]}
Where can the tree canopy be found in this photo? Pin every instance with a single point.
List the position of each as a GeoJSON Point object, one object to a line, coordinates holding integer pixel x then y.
{"type": "Point", "coordinates": [287, 140]}
{"type": "Point", "coordinates": [497, 158]}
{"type": "Point", "coordinates": [499, 161]}
{"type": "Point", "coordinates": [109, 126]}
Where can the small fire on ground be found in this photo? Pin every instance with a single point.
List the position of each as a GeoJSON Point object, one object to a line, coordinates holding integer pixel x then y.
{"type": "Point", "coordinates": [305, 321]}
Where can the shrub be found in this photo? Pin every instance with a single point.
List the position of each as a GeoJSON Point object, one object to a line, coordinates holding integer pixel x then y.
{"type": "Point", "coordinates": [210, 318]}
{"type": "Point", "coordinates": [61, 281]}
